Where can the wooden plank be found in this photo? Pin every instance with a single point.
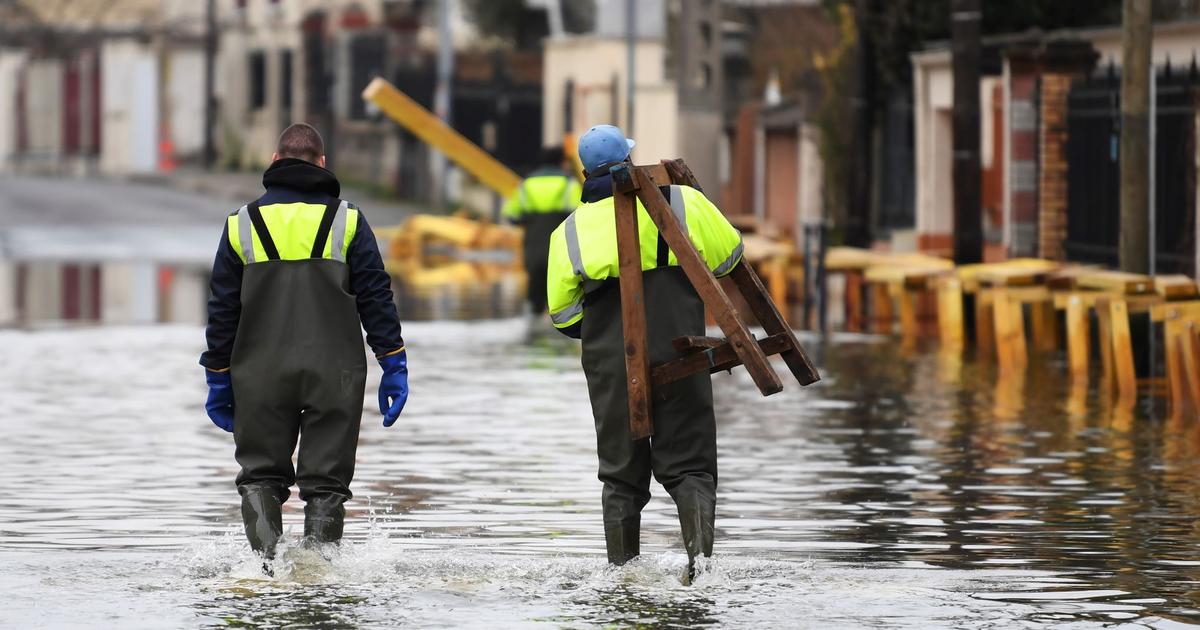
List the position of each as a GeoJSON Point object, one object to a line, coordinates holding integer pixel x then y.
{"type": "Point", "coordinates": [1077, 338]}
{"type": "Point", "coordinates": [773, 322]}
{"type": "Point", "coordinates": [1009, 324]}
{"type": "Point", "coordinates": [950, 312]}
{"type": "Point", "coordinates": [706, 285]}
{"type": "Point", "coordinates": [693, 343]}
{"type": "Point", "coordinates": [434, 131]}
{"type": "Point", "coordinates": [1012, 276]}
{"type": "Point", "coordinates": [717, 359]}
{"type": "Point", "coordinates": [633, 316]}
{"type": "Point", "coordinates": [1177, 395]}
{"type": "Point", "coordinates": [882, 311]}
{"type": "Point", "coordinates": [908, 311]}
{"type": "Point", "coordinates": [1191, 360]}
{"type": "Point", "coordinates": [678, 172]}
{"type": "Point", "coordinates": [1066, 278]}
{"type": "Point", "coordinates": [1175, 287]}
{"type": "Point", "coordinates": [1116, 282]}
{"type": "Point", "coordinates": [1122, 350]}
{"type": "Point", "coordinates": [849, 259]}
{"type": "Point", "coordinates": [854, 301]}
{"type": "Point", "coordinates": [1167, 311]}
{"type": "Point", "coordinates": [1028, 294]}
{"type": "Point", "coordinates": [1044, 325]}
{"type": "Point", "coordinates": [985, 325]}
{"type": "Point", "coordinates": [1104, 339]}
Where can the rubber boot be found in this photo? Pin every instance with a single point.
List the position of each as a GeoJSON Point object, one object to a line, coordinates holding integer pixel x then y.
{"type": "Point", "coordinates": [623, 540]}
{"type": "Point", "coordinates": [323, 519]}
{"type": "Point", "coordinates": [697, 513]}
{"type": "Point", "coordinates": [263, 519]}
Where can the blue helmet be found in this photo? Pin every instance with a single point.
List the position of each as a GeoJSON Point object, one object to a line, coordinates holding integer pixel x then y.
{"type": "Point", "coordinates": [603, 144]}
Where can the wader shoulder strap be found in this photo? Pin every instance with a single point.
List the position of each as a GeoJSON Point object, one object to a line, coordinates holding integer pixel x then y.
{"type": "Point", "coordinates": [264, 235]}
{"type": "Point", "coordinates": [318, 250]}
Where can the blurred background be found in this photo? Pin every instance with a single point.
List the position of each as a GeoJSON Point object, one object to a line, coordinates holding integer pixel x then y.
{"type": "Point", "coordinates": [887, 144]}
{"type": "Point", "coordinates": [128, 128]}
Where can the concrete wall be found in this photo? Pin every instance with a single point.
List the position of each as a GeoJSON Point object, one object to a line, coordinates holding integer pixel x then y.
{"type": "Point", "coordinates": [11, 61]}
{"type": "Point", "coordinates": [812, 175]}
{"type": "Point", "coordinates": [591, 63]}
{"type": "Point", "coordinates": [185, 100]}
{"type": "Point", "coordinates": [782, 164]}
{"type": "Point", "coordinates": [129, 107]}
{"type": "Point", "coordinates": [700, 134]}
{"type": "Point", "coordinates": [248, 135]}
{"type": "Point", "coordinates": [1177, 42]}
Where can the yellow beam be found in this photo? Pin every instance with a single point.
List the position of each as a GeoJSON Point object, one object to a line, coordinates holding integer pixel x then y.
{"type": "Point", "coordinates": [433, 131]}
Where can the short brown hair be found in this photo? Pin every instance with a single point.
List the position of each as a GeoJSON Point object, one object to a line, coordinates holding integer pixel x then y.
{"type": "Point", "coordinates": [301, 141]}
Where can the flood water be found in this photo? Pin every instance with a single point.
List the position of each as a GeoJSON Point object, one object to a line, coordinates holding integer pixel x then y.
{"type": "Point", "coordinates": [905, 490]}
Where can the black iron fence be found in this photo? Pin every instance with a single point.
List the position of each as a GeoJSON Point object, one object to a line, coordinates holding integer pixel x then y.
{"type": "Point", "coordinates": [1093, 180]}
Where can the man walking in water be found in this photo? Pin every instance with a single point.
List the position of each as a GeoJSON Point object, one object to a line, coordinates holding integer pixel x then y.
{"type": "Point", "coordinates": [541, 203]}
{"type": "Point", "coordinates": [296, 278]}
{"type": "Point", "coordinates": [585, 303]}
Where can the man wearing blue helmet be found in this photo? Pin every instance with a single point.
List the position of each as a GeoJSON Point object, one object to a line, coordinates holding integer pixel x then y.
{"type": "Point", "coordinates": [582, 279]}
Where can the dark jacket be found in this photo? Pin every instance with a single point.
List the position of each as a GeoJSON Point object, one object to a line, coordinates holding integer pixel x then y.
{"type": "Point", "coordinates": [295, 181]}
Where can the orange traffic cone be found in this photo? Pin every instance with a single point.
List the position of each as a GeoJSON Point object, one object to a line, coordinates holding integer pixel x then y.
{"type": "Point", "coordinates": [166, 149]}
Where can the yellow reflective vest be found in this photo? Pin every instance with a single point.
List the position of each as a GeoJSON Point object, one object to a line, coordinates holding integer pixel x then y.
{"type": "Point", "coordinates": [583, 250]}
{"type": "Point", "coordinates": [293, 228]}
{"type": "Point", "coordinates": [541, 194]}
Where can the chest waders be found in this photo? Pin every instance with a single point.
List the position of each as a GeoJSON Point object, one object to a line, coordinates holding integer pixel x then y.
{"type": "Point", "coordinates": [682, 454]}
{"type": "Point", "coordinates": [299, 373]}
{"type": "Point", "coordinates": [536, 253]}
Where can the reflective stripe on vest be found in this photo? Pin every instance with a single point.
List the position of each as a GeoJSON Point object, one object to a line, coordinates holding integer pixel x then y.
{"type": "Point", "coordinates": [567, 314]}
{"type": "Point", "coordinates": [572, 236]}
{"type": "Point", "coordinates": [679, 208]}
{"type": "Point", "coordinates": [337, 238]}
{"type": "Point", "coordinates": [246, 234]}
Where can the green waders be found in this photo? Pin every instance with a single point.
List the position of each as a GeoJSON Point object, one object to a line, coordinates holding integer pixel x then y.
{"type": "Point", "coordinates": [299, 372]}
{"type": "Point", "coordinates": [682, 454]}
{"type": "Point", "coordinates": [536, 252]}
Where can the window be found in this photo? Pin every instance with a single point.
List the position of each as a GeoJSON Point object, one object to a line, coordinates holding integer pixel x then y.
{"type": "Point", "coordinates": [285, 79]}
{"type": "Point", "coordinates": [258, 80]}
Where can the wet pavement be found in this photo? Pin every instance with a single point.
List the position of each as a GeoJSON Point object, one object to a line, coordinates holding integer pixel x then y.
{"type": "Point", "coordinates": [904, 491]}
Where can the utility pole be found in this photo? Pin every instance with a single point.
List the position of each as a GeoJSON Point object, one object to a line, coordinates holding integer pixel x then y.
{"type": "Point", "coordinates": [862, 105]}
{"type": "Point", "coordinates": [210, 54]}
{"type": "Point", "coordinates": [442, 96]}
{"type": "Point", "coordinates": [968, 213]}
{"type": "Point", "coordinates": [1135, 136]}
{"type": "Point", "coordinates": [630, 64]}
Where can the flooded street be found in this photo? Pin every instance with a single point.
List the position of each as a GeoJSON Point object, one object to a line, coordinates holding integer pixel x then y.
{"type": "Point", "coordinates": [903, 491]}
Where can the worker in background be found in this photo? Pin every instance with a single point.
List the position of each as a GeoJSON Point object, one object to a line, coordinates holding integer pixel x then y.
{"type": "Point", "coordinates": [297, 277]}
{"type": "Point", "coordinates": [540, 204]}
{"type": "Point", "coordinates": [585, 303]}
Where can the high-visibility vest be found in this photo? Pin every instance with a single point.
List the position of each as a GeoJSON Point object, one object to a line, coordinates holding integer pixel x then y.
{"type": "Point", "coordinates": [543, 194]}
{"type": "Point", "coordinates": [583, 250]}
{"type": "Point", "coordinates": [293, 228]}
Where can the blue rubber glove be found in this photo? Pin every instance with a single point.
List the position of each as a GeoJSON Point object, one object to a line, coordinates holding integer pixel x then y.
{"type": "Point", "coordinates": [393, 388]}
{"type": "Point", "coordinates": [220, 399]}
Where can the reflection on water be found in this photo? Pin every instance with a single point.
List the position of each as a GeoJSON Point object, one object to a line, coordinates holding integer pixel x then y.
{"type": "Point", "coordinates": [906, 490]}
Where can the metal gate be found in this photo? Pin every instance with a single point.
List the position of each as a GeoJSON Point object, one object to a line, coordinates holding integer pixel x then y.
{"type": "Point", "coordinates": [1093, 172]}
